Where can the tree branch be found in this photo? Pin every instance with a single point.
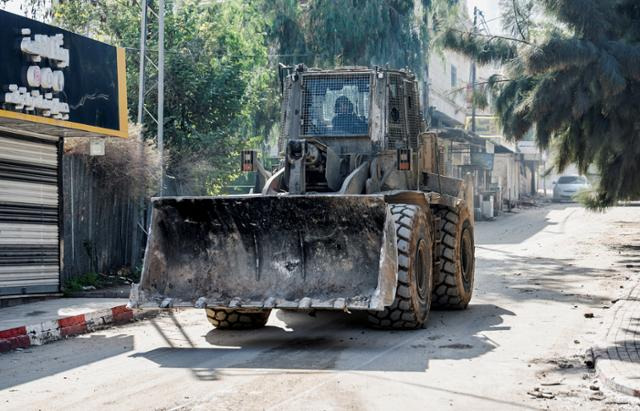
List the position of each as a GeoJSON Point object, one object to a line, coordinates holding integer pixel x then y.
{"type": "Point", "coordinates": [493, 36]}
{"type": "Point", "coordinates": [515, 15]}
{"type": "Point", "coordinates": [479, 83]}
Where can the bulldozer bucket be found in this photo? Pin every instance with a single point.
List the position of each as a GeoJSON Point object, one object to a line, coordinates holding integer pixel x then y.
{"type": "Point", "coordinates": [297, 252]}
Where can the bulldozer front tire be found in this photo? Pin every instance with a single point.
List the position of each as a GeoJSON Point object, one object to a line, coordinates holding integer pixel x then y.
{"type": "Point", "coordinates": [410, 308]}
{"type": "Point", "coordinates": [454, 282]}
{"type": "Point", "coordinates": [233, 319]}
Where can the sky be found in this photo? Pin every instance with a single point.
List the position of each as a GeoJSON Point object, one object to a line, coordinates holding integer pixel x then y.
{"type": "Point", "coordinates": [13, 6]}
{"type": "Point", "coordinates": [491, 13]}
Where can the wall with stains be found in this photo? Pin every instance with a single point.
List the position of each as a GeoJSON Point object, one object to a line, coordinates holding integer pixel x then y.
{"type": "Point", "coordinates": [101, 230]}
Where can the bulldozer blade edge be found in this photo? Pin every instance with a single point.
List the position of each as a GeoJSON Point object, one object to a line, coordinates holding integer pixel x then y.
{"type": "Point", "coordinates": [297, 252]}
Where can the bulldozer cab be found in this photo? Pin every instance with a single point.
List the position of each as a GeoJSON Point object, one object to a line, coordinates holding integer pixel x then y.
{"type": "Point", "coordinates": [351, 109]}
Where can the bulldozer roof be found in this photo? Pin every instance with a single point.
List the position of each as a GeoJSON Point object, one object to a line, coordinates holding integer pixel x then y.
{"type": "Point", "coordinates": [351, 69]}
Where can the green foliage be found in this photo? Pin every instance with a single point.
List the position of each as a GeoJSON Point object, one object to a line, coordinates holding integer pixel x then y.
{"type": "Point", "coordinates": [326, 33]}
{"type": "Point", "coordinates": [518, 17]}
{"type": "Point", "coordinates": [484, 49]}
{"type": "Point", "coordinates": [370, 32]}
{"type": "Point", "coordinates": [216, 79]}
{"type": "Point", "coordinates": [76, 284]}
{"type": "Point", "coordinates": [479, 98]}
{"type": "Point", "coordinates": [221, 87]}
{"type": "Point", "coordinates": [578, 86]}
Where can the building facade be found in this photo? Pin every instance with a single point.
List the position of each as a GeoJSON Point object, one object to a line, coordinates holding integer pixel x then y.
{"type": "Point", "coordinates": [56, 85]}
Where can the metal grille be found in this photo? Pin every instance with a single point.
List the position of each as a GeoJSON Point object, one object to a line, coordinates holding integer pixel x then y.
{"type": "Point", "coordinates": [413, 113]}
{"type": "Point", "coordinates": [283, 119]}
{"type": "Point", "coordinates": [29, 234]}
{"type": "Point", "coordinates": [336, 105]}
{"type": "Point", "coordinates": [396, 115]}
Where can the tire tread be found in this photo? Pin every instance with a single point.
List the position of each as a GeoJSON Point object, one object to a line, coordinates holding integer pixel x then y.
{"type": "Point", "coordinates": [400, 314]}
{"type": "Point", "coordinates": [228, 318]}
{"type": "Point", "coordinates": [446, 294]}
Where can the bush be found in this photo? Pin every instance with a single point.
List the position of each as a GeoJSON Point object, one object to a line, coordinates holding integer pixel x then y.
{"type": "Point", "coordinates": [129, 162]}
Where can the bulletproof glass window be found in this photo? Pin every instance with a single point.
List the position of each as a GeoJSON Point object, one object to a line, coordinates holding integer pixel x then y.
{"type": "Point", "coordinates": [336, 105]}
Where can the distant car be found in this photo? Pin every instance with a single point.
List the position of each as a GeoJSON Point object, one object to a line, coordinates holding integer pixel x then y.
{"type": "Point", "coordinates": [567, 187]}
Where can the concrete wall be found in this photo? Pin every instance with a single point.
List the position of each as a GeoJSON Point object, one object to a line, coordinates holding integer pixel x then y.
{"type": "Point", "coordinates": [445, 97]}
{"type": "Point", "coordinates": [506, 171]}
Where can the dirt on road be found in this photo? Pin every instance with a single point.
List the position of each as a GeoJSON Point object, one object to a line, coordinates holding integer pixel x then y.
{"type": "Point", "coordinates": [546, 280]}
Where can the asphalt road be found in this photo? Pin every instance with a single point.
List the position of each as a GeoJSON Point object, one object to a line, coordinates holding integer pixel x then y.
{"type": "Point", "coordinates": [524, 335]}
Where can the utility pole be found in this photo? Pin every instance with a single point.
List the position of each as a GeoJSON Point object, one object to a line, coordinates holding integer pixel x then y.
{"type": "Point", "coordinates": [161, 91]}
{"type": "Point", "coordinates": [139, 205]}
{"type": "Point", "coordinates": [473, 75]}
{"type": "Point", "coordinates": [143, 44]}
{"type": "Point", "coordinates": [145, 11]}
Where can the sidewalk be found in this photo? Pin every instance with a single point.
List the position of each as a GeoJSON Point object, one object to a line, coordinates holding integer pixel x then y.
{"type": "Point", "coordinates": [41, 322]}
{"type": "Point", "coordinates": [49, 310]}
{"type": "Point", "coordinates": [617, 360]}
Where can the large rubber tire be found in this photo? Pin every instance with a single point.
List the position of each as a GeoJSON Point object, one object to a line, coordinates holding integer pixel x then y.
{"type": "Point", "coordinates": [410, 309]}
{"type": "Point", "coordinates": [454, 280]}
{"type": "Point", "coordinates": [227, 318]}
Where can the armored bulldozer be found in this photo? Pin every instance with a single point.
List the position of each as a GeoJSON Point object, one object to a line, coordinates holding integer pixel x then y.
{"type": "Point", "coordinates": [358, 216]}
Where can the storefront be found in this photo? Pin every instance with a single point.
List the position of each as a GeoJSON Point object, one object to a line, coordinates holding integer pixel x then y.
{"type": "Point", "coordinates": [54, 85]}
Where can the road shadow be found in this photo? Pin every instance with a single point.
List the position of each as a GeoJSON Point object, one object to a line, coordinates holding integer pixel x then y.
{"type": "Point", "coordinates": [337, 341]}
{"type": "Point", "coordinates": [623, 350]}
{"type": "Point", "coordinates": [541, 278]}
{"type": "Point", "coordinates": [19, 367]}
{"type": "Point", "coordinates": [521, 226]}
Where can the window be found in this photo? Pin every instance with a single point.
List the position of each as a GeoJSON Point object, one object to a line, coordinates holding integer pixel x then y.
{"type": "Point", "coordinates": [485, 126]}
{"type": "Point", "coordinates": [454, 76]}
{"type": "Point", "coordinates": [336, 105]}
{"type": "Point", "coordinates": [572, 180]}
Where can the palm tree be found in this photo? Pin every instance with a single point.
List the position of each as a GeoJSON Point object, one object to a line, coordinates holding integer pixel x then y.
{"type": "Point", "coordinates": [577, 81]}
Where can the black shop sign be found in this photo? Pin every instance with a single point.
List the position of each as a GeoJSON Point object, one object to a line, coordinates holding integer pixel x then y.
{"type": "Point", "coordinates": [60, 80]}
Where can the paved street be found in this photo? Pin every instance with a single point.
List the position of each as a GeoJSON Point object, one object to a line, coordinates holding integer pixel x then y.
{"type": "Point", "coordinates": [546, 283]}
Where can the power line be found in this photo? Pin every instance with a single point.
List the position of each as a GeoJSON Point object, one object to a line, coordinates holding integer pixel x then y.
{"type": "Point", "coordinates": [221, 54]}
{"type": "Point", "coordinates": [493, 19]}
{"type": "Point", "coordinates": [484, 23]}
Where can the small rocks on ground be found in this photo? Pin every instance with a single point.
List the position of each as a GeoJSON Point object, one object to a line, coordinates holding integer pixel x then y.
{"type": "Point", "coordinates": [538, 393]}
{"type": "Point", "coordinates": [549, 384]}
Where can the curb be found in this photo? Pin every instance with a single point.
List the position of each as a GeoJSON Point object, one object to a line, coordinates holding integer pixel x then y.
{"type": "Point", "coordinates": [609, 363]}
{"type": "Point", "coordinates": [607, 373]}
{"type": "Point", "coordinates": [54, 330]}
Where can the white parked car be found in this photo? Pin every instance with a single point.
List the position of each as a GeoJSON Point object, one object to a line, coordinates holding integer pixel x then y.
{"type": "Point", "coordinates": [568, 186]}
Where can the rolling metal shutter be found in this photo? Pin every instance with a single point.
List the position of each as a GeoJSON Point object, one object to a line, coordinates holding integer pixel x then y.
{"type": "Point", "coordinates": [29, 215]}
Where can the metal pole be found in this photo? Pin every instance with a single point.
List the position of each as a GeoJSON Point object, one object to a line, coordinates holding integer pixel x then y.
{"type": "Point", "coordinates": [143, 43]}
{"type": "Point", "coordinates": [473, 76]}
{"type": "Point", "coordinates": [138, 205]}
{"type": "Point", "coordinates": [544, 177]}
{"type": "Point", "coordinates": [161, 91]}
{"type": "Point", "coordinates": [425, 94]}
